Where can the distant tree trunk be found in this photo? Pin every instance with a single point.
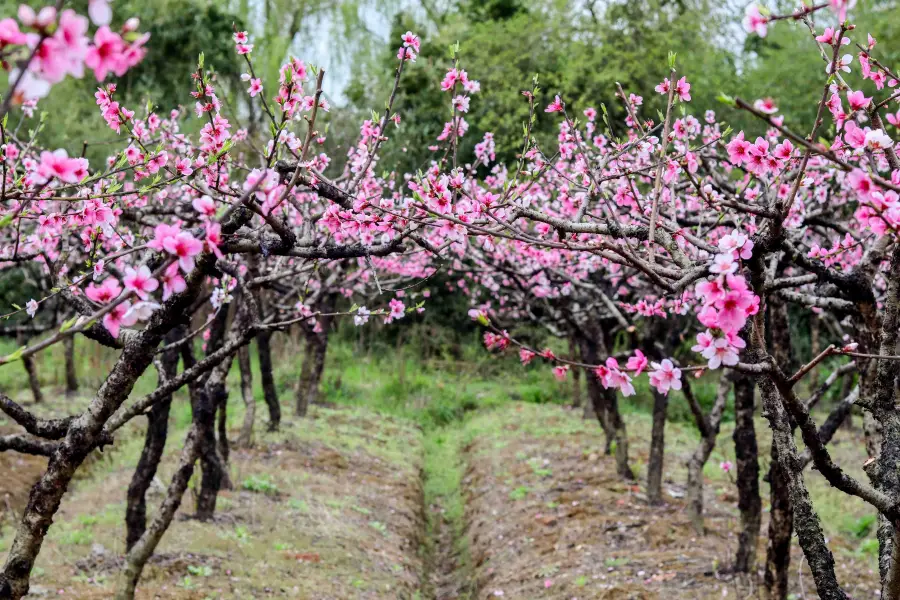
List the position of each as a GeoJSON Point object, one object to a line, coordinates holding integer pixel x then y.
{"type": "Point", "coordinates": [31, 370]}
{"type": "Point", "coordinates": [222, 424]}
{"type": "Point", "coordinates": [245, 439]}
{"type": "Point", "coordinates": [598, 398]}
{"type": "Point", "coordinates": [314, 360]}
{"type": "Point", "coordinates": [621, 435]}
{"type": "Point", "coordinates": [311, 373]}
{"type": "Point", "coordinates": [267, 378]}
{"type": "Point", "coordinates": [708, 433]}
{"type": "Point", "coordinates": [657, 448]}
{"type": "Point", "coordinates": [71, 375]}
{"type": "Point", "coordinates": [747, 458]}
{"type": "Point", "coordinates": [154, 444]}
{"type": "Point", "coordinates": [576, 374]}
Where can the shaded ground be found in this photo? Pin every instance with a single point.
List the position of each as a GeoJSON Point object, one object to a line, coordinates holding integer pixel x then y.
{"type": "Point", "coordinates": [310, 518]}
{"type": "Point", "coordinates": [547, 517]}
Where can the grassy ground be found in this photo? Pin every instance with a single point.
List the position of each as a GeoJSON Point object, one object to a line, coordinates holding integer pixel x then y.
{"type": "Point", "coordinates": [425, 479]}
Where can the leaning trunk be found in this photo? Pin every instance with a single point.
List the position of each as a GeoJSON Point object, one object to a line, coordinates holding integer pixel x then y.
{"type": "Point", "coordinates": [154, 444]}
{"type": "Point", "coordinates": [709, 432]}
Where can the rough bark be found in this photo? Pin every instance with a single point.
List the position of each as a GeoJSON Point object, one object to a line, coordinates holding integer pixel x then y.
{"type": "Point", "coordinates": [154, 444]}
{"type": "Point", "coordinates": [212, 462]}
{"type": "Point", "coordinates": [806, 520]}
{"type": "Point", "coordinates": [747, 475]}
{"type": "Point", "coordinates": [781, 526]}
{"type": "Point", "coordinates": [709, 432]}
{"type": "Point", "coordinates": [212, 468]}
{"type": "Point", "coordinates": [71, 374]}
{"type": "Point", "coordinates": [245, 438]}
{"type": "Point", "coordinates": [657, 448]}
{"type": "Point", "coordinates": [142, 549]}
{"type": "Point", "coordinates": [781, 515]}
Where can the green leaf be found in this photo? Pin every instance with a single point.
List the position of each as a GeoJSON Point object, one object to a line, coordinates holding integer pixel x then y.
{"type": "Point", "coordinates": [725, 99]}
{"type": "Point", "coordinates": [17, 355]}
{"type": "Point", "coordinates": [7, 219]}
{"type": "Point", "coordinates": [68, 325]}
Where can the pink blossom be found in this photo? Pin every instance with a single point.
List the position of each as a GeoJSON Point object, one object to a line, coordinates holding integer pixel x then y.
{"type": "Point", "coordinates": [683, 89]}
{"type": "Point", "coordinates": [555, 106]}
{"type": "Point", "coordinates": [58, 165]}
{"type": "Point", "coordinates": [140, 281]}
{"type": "Point", "coordinates": [255, 87]}
{"type": "Point", "coordinates": [766, 106]}
{"type": "Point", "coordinates": [10, 34]}
{"type": "Point", "coordinates": [637, 363]}
{"type": "Point", "coordinates": [857, 100]}
{"type": "Point", "coordinates": [107, 54]}
{"type": "Point", "coordinates": [754, 22]}
{"type": "Point", "coordinates": [205, 206]}
{"type": "Point", "coordinates": [723, 264]}
{"type": "Point", "coordinates": [173, 282]}
{"type": "Point", "coordinates": [665, 376]}
{"type": "Point", "coordinates": [526, 355]}
{"type": "Point", "coordinates": [560, 372]}
{"type": "Point", "coordinates": [185, 247]}
{"type": "Point", "coordinates": [104, 293]}
{"type": "Point", "coordinates": [719, 353]}
{"type": "Point", "coordinates": [840, 8]}
{"type": "Point", "coordinates": [116, 318]}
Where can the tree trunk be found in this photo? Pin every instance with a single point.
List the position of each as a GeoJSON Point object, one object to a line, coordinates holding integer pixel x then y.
{"type": "Point", "coordinates": [747, 470]}
{"type": "Point", "coordinates": [576, 374]}
{"type": "Point", "coordinates": [599, 401]}
{"type": "Point", "coordinates": [314, 360]}
{"type": "Point", "coordinates": [657, 449]}
{"type": "Point", "coordinates": [245, 439]}
{"type": "Point", "coordinates": [701, 454]}
{"type": "Point", "coordinates": [214, 469]}
{"type": "Point", "coordinates": [781, 527]}
{"type": "Point", "coordinates": [781, 515]}
{"type": "Point", "coordinates": [33, 381]}
{"type": "Point", "coordinates": [270, 393]}
{"type": "Point", "coordinates": [621, 435]}
{"type": "Point", "coordinates": [806, 520]}
{"type": "Point", "coordinates": [214, 393]}
{"type": "Point", "coordinates": [154, 444]}
{"type": "Point", "coordinates": [71, 374]}
{"type": "Point", "coordinates": [142, 549]}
